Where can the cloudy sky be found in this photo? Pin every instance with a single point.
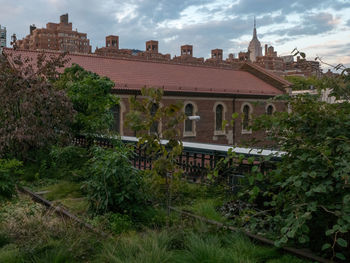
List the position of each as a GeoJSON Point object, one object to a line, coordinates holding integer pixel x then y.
{"type": "Point", "coordinates": [317, 27]}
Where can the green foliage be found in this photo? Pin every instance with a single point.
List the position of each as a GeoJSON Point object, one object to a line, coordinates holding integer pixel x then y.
{"type": "Point", "coordinates": [302, 83]}
{"type": "Point", "coordinates": [143, 120]}
{"type": "Point", "coordinates": [179, 245]}
{"type": "Point", "coordinates": [71, 157]}
{"type": "Point", "coordinates": [59, 254]}
{"type": "Point", "coordinates": [113, 183]}
{"type": "Point", "coordinates": [154, 123]}
{"type": "Point", "coordinates": [64, 189]}
{"type": "Point", "coordinates": [309, 191]}
{"type": "Point", "coordinates": [11, 254]}
{"type": "Point", "coordinates": [38, 235]}
{"type": "Point", "coordinates": [91, 97]}
{"type": "Point", "coordinates": [113, 222]}
{"type": "Point", "coordinates": [9, 170]}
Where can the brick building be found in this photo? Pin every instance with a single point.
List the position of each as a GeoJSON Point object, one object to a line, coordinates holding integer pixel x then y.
{"type": "Point", "coordinates": [211, 92]}
{"type": "Point", "coordinates": [301, 67]}
{"type": "Point", "coordinates": [56, 36]}
{"type": "Point", "coordinates": [270, 60]}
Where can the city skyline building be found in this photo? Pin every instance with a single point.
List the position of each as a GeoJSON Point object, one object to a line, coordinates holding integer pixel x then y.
{"type": "Point", "coordinates": [2, 37]}
{"type": "Point", "coordinates": [56, 36]}
{"type": "Point", "coordinates": [254, 48]}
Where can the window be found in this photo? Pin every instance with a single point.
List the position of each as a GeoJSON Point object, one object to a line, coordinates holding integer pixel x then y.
{"type": "Point", "coordinates": [188, 122]}
{"type": "Point", "coordinates": [246, 117]}
{"type": "Point", "coordinates": [154, 126]}
{"type": "Point", "coordinates": [116, 118]}
{"type": "Point", "coordinates": [219, 111]}
{"type": "Point", "coordinates": [270, 110]}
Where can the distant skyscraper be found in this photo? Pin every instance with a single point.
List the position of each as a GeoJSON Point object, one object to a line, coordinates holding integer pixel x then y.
{"type": "Point", "coordinates": [2, 37]}
{"type": "Point", "coordinates": [254, 48]}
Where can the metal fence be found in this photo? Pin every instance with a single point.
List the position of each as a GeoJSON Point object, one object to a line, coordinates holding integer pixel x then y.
{"type": "Point", "coordinates": [198, 159]}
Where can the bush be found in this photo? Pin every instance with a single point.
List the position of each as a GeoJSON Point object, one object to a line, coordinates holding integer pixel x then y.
{"type": "Point", "coordinates": [114, 185]}
{"type": "Point", "coordinates": [309, 191]}
{"type": "Point", "coordinates": [9, 169]}
{"type": "Point", "coordinates": [33, 114]}
{"type": "Point", "coordinates": [113, 222]}
{"type": "Point", "coordinates": [91, 97]}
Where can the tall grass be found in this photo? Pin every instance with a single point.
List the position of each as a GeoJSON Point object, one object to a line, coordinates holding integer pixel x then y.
{"type": "Point", "coordinates": [201, 245]}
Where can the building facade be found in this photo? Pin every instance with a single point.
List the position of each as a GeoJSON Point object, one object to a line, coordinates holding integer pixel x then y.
{"type": "Point", "coordinates": [212, 92]}
{"type": "Point", "coordinates": [56, 36]}
{"type": "Point", "coordinates": [2, 37]}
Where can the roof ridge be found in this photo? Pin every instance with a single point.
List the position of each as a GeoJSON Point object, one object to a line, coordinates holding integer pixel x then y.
{"type": "Point", "coordinates": [225, 67]}
{"type": "Point", "coordinates": [270, 74]}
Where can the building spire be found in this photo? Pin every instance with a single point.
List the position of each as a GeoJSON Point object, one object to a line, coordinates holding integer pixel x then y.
{"type": "Point", "coordinates": [254, 32]}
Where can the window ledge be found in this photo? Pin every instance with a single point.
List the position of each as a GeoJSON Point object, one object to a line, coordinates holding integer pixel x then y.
{"type": "Point", "coordinates": [246, 131]}
{"type": "Point", "coordinates": [218, 133]}
{"type": "Point", "coordinates": [189, 134]}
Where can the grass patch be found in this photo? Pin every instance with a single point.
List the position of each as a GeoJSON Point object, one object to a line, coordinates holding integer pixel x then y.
{"type": "Point", "coordinates": [78, 206]}
{"type": "Point", "coordinates": [177, 245]}
{"type": "Point", "coordinates": [206, 208]}
{"type": "Point", "coordinates": [63, 189]}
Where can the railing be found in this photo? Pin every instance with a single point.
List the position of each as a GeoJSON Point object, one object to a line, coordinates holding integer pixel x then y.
{"type": "Point", "coordinates": [197, 159]}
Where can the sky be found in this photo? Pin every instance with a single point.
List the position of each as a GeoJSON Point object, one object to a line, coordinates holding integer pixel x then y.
{"type": "Point", "coordinates": [317, 27]}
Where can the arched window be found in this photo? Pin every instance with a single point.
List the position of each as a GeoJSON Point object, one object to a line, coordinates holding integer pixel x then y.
{"type": "Point", "coordinates": [219, 111]}
{"type": "Point", "coordinates": [246, 117]}
{"type": "Point", "coordinates": [270, 110]}
{"type": "Point", "coordinates": [154, 126]}
{"type": "Point", "coordinates": [188, 122]}
{"type": "Point", "coordinates": [116, 118]}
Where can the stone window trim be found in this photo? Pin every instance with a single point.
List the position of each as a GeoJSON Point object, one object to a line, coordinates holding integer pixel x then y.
{"type": "Point", "coordinates": [245, 131]}
{"type": "Point", "coordinates": [273, 108]}
{"type": "Point", "coordinates": [192, 133]}
{"type": "Point", "coordinates": [219, 132]}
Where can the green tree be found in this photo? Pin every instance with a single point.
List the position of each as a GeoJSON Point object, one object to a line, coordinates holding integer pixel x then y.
{"type": "Point", "coordinates": [153, 123]}
{"type": "Point", "coordinates": [91, 97]}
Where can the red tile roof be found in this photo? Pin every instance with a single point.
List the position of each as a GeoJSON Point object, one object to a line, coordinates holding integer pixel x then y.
{"type": "Point", "coordinates": [134, 74]}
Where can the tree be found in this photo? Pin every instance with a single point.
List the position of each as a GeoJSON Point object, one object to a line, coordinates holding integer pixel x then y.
{"type": "Point", "coordinates": [154, 122]}
{"type": "Point", "coordinates": [91, 97]}
{"type": "Point", "coordinates": [33, 114]}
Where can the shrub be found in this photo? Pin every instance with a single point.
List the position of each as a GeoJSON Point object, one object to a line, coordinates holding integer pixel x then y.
{"type": "Point", "coordinates": [33, 114]}
{"type": "Point", "coordinates": [9, 169]}
{"type": "Point", "coordinates": [113, 222]}
{"type": "Point", "coordinates": [91, 97]}
{"type": "Point", "coordinates": [309, 190]}
{"type": "Point", "coordinates": [114, 185]}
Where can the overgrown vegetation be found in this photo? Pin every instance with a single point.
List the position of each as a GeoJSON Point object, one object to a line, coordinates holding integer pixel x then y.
{"type": "Point", "coordinates": [91, 97]}
{"type": "Point", "coordinates": [33, 114]}
{"type": "Point", "coordinates": [304, 201]}
{"type": "Point", "coordinates": [9, 171]}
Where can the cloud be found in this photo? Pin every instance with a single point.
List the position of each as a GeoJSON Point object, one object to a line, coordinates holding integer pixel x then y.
{"type": "Point", "coordinates": [310, 24]}
{"type": "Point", "coordinates": [206, 24]}
{"type": "Point", "coordinates": [348, 23]}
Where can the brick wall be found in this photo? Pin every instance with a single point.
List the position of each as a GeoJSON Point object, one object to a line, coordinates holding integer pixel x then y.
{"type": "Point", "coordinates": [205, 127]}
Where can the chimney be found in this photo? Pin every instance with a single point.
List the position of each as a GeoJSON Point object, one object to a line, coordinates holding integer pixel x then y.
{"type": "Point", "coordinates": [187, 50]}
{"type": "Point", "coordinates": [216, 54]}
{"type": "Point", "coordinates": [32, 28]}
{"type": "Point", "coordinates": [112, 41]}
{"type": "Point", "coordinates": [152, 46]}
{"type": "Point", "coordinates": [64, 18]}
